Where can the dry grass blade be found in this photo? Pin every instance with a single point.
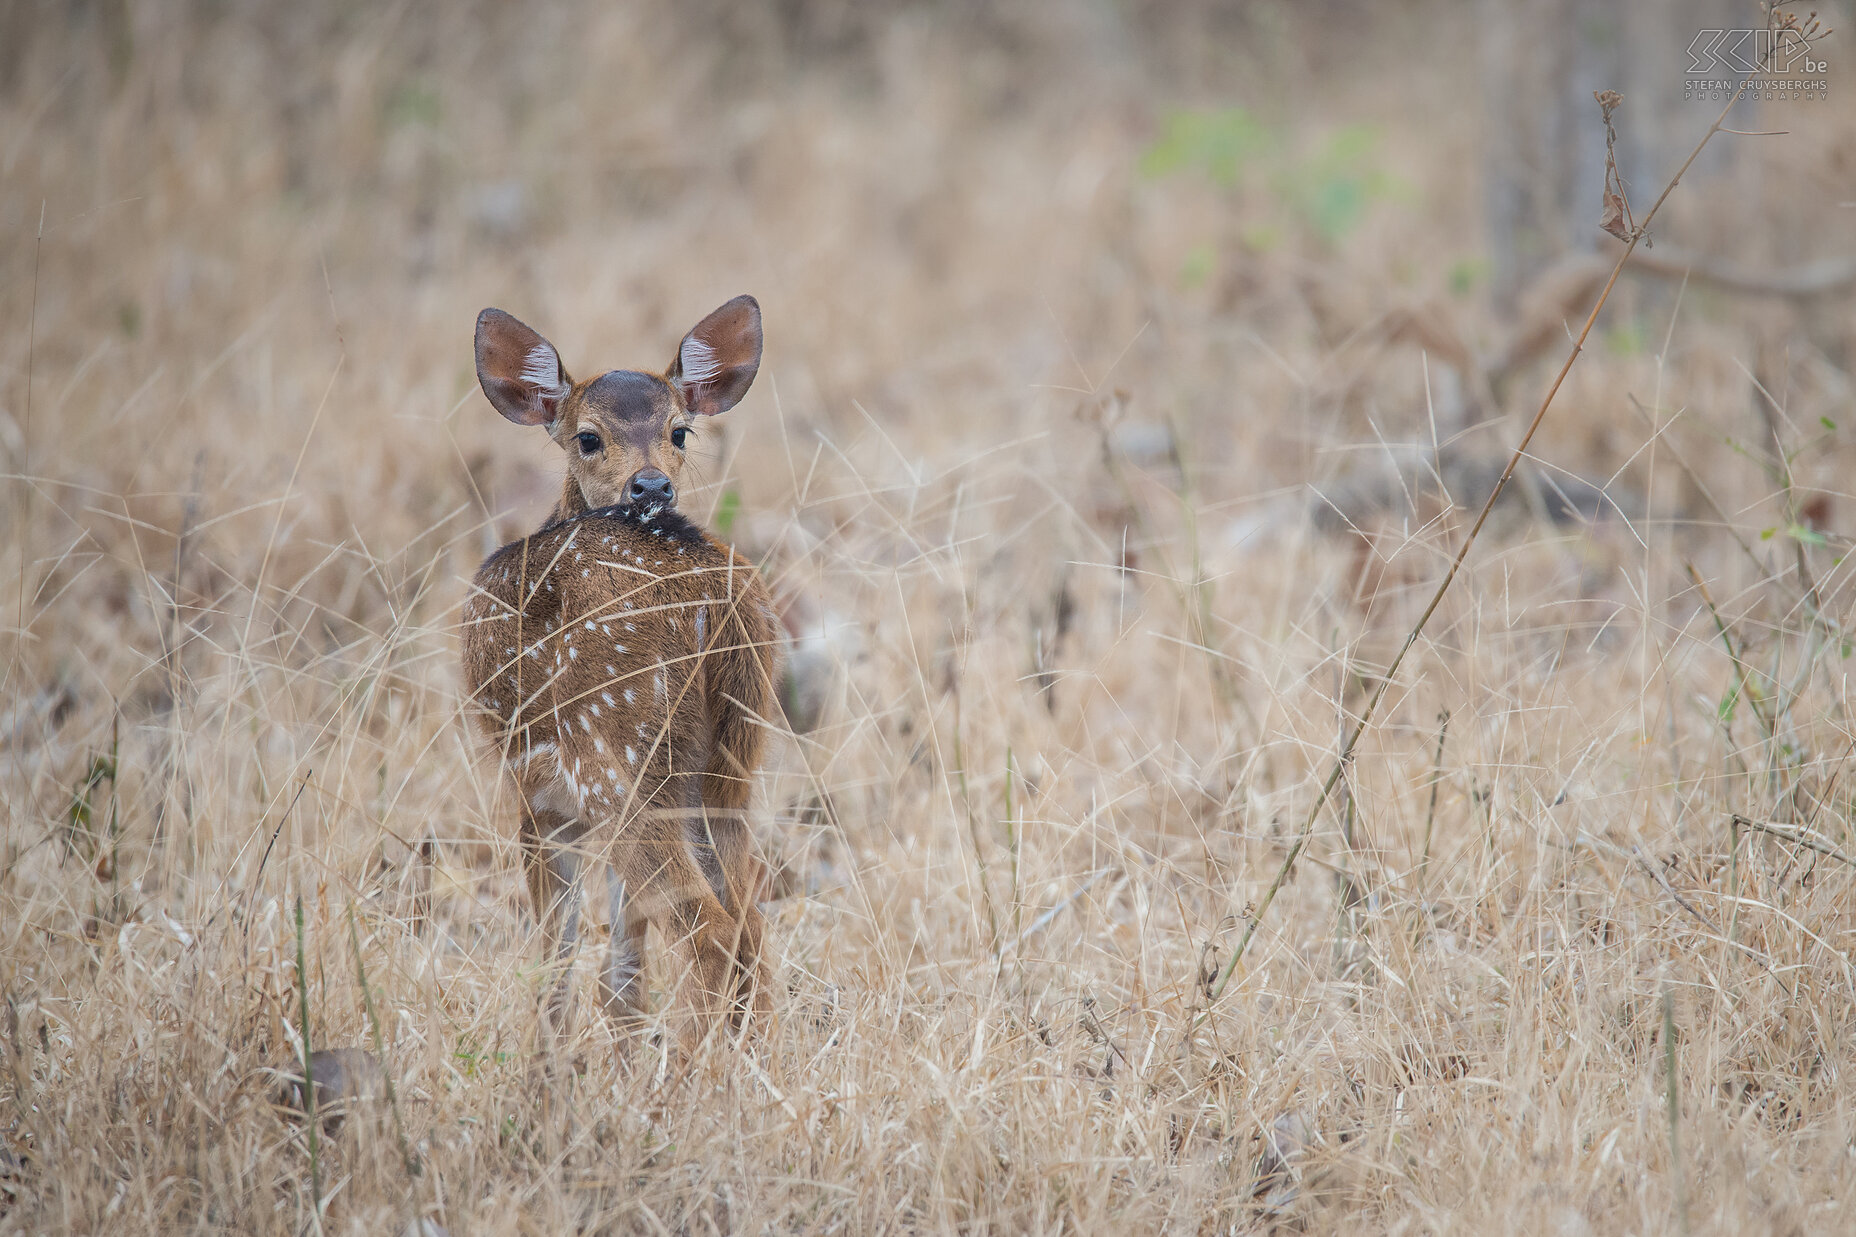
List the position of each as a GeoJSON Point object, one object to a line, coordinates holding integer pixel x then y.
{"type": "Point", "coordinates": [312, 1124]}
{"type": "Point", "coordinates": [1430, 812]}
{"type": "Point", "coordinates": [1673, 1109]}
{"type": "Point", "coordinates": [380, 1049]}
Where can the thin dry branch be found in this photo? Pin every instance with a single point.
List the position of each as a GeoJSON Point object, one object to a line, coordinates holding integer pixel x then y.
{"type": "Point", "coordinates": [1577, 276]}
{"type": "Point", "coordinates": [1817, 277]}
{"type": "Point", "coordinates": [1345, 756]}
{"type": "Point", "coordinates": [1796, 837]}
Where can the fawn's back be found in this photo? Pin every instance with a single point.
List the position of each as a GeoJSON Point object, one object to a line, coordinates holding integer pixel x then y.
{"type": "Point", "coordinates": [600, 651]}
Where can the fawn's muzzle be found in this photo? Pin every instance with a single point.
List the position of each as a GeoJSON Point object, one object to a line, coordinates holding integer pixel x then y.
{"type": "Point", "coordinates": [650, 488]}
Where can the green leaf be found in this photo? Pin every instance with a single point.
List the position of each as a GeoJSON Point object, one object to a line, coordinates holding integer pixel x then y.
{"type": "Point", "coordinates": [1197, 267]}
{"type": "Point", "coordinates": [1215, 142]}
{"type": "Point", "coordinates": [1332, 190]}
{"type": "Point", "coordinates": [1261, 238]}
{"type": "Point", "coordinates": [1466, 273]}
{"type": "Point", "coordinates": [1725, 711]}
{"type": "Point", "coordinates": [727, 511]}
{"type": "Point", "coordinates": [1765, 534]}
{"type": "Point", "coordinates": [1804, 535]}
{"type": "Point", "coordinates": [414, 103]}
{"type": "Point", "coordinates": [1628, 339]}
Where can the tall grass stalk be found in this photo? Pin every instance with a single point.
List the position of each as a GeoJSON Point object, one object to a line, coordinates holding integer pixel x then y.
{"type": "Point", "coordinates": [312, 1123]}
{"type": "Point", "coordinates": [380, 1048]}
{"type": "Point", "coordinates": [1672, 1104]}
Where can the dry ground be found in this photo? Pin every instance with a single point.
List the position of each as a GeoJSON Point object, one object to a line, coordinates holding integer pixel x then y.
{"type": "Point", "coordinates": [1029, 456]}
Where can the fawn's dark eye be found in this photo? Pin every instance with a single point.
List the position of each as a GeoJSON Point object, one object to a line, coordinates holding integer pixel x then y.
{"type": "Point", "coordinates": [589, 443]}
{"type": "Point", "coordinates": [678, 435]}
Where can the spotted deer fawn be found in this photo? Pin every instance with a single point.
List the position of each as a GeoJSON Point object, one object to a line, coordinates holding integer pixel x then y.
{"type": "Point", "coordinates": [621, 661]}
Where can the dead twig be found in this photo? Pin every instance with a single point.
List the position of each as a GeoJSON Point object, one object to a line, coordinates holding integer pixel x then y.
{"type": "Point", "coordinates": [1809, 841]}
{"type": "Point", "coordinates": [1632, 853]}
{"type": "Point", "coordinates": [1430, 816]}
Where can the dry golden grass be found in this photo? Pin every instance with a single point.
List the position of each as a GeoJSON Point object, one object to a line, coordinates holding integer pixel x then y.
{"type": "Point", "coordinates": [1043, 787]}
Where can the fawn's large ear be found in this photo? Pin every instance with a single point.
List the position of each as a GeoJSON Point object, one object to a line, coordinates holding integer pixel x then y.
{"type": "Point", "coordinates": [717, 360]}
{"type": "Point", "coordinates": [519, 370]}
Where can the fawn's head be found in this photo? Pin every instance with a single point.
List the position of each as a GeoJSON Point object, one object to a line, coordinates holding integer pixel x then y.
{"type": "Point", "coordinates": [623, 431]}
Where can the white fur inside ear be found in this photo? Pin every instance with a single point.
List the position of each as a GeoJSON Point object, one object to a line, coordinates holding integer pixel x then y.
{"type": "Point", "coordinates": [699, 362]}
{"type": "Point", "coordinates": [541, 369]}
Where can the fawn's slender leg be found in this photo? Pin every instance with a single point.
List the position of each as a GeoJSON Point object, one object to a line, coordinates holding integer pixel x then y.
{"type": "Point", "coordinates": [553, 864]}
{"type": "Point", "coordinates": [738, 877]}
{"type": "Point", "coordinates": [621, 984]}
{"type": "Point", "coordinates": [710, 933]}
{"type": "Point", "coordinates": [677, 893]}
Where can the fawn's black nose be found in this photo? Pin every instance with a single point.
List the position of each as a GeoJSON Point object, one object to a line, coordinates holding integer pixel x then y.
{"type": "Point", "coordinates": [650, 488]}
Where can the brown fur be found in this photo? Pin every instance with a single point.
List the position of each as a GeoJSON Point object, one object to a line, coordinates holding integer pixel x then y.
{"type": "Point", "coordinates": [621, 661]}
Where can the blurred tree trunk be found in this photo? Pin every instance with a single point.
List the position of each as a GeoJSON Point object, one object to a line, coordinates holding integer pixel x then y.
{"type": "Point", "coordinates": [1543, 141]}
